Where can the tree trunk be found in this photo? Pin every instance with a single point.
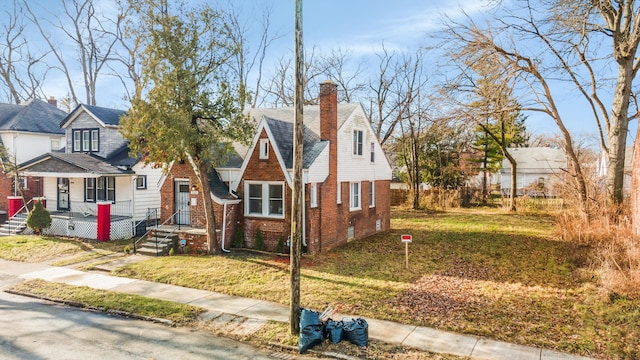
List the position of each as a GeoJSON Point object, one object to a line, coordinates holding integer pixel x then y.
{"type": "Point", "coordinates": [203, 176]}
{"type": "Point", "coordinates": [618, 131]}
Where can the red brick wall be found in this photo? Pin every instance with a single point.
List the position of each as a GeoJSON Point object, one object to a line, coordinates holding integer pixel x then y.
{"type": "Point", "coordinates": [198, 218]}
{"type": "Point", "coordinates": [272, 229]}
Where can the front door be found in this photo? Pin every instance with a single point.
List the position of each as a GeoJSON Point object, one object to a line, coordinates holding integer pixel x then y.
{"type": "Point", "coordinates": [63, 194]}
{"type": "Point", "coordinates": [183, 216]}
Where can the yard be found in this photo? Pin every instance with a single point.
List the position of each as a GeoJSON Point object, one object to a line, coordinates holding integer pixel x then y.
{"type": "Point", "coordinates": [484, 272]}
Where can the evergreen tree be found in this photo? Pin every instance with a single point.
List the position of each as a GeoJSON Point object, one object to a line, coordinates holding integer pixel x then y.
{"type": "Point", "coordinates": [39, 218]}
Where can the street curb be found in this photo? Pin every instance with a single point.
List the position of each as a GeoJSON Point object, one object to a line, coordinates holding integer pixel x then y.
{"type": "Point", "coordinates": [93, 308]}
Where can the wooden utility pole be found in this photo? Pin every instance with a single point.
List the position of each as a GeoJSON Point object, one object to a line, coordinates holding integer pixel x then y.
{"type": "Point", "coordinates": [296, 196]}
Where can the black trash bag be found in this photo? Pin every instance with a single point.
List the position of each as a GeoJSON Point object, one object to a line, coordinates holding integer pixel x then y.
{"type": "Point", "coordinates": [334, 331]}
{"type": "Point", "coordinates": [311, 330]}
{"type": "Point", "coordinates": [356, 331]}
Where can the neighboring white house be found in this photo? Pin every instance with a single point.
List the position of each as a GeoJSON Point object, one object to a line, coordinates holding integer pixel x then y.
{"type": "Point", "coordinates": [95, 167]}
{"type": "Point", "coordinates": [537, 169]}
{"type": "Point", "coordinates": [601, 168]}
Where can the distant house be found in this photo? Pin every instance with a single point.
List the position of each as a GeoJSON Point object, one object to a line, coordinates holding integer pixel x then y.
{"type": "Point", "coordinates": [26, 131]}
{"type": "Point", "coordinates": [537, 168]}
{"type": "Point", "coordinates": [601, 168]}
{"type": "Point", "coordinates": [346, 179]}
{"type": "Point", "coordinates": [95, 168]}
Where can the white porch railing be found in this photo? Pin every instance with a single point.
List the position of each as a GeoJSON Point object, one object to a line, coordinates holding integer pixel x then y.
{"type": "Point", "coordinates": [119, 208]}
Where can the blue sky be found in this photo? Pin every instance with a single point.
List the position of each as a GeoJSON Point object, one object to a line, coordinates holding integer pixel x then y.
{"type": "Point", "coordinates": [361, 27]}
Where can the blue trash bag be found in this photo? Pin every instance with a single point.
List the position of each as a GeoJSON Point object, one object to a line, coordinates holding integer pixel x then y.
{"type": "Point", "coordinates": [334, 331]}
{"type": "Point", "coordinates": [311, 330]}
{"type": "Point", "coordinates": [356, 331]}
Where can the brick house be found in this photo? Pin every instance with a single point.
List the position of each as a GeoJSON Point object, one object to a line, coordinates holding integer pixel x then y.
{"type": "Point", "coordinates": [346, 179]}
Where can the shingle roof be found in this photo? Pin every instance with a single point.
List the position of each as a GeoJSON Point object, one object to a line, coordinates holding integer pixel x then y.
{"type": "Point", "coordinates": [86, 162]}
{"type": "Point", "coordinates": [110, 117]}
{"type": "Point", "coordinates": [283, 136]}
{"type": "Point", "coordinates": [218, 188]}
{"type": "Point", "coordinates": [536, 160]}
{"type": "Point", "coordinates": [311, 114]}
{"type": "Point", "coordinates": [35, 116]}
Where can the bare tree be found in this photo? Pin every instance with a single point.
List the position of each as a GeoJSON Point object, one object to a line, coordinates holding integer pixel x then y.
{"type": "Point", "coordinates": [21, 71]}
{"type": "Point", "coordinates": [92, 38]}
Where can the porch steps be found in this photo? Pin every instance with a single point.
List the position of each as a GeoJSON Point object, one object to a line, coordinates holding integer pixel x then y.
{"type": "Point", "coordinates": [165, 241]}
{"type": "Point", "coordinates": [14, 225]}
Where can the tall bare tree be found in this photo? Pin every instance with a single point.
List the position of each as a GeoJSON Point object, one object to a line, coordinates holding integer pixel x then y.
{"type": "Point", "coordinates": [22, 71]}
{"type": "Point", "coordinates": [92, 37]}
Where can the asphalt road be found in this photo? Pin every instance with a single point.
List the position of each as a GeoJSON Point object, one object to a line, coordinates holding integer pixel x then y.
{"type": "Point", "coordinates": [35, 329]}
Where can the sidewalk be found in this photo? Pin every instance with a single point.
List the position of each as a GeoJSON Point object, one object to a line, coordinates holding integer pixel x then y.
{"type": "Point", "coordinates": [258, 312]}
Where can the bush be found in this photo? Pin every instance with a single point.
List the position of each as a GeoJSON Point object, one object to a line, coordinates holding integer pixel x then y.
{"type": "Point", "coordinates": [238, 239]}
{"type": "Point", "coordinates": [280, 246]}
{"type": "Point", "coordinates": [259, 240]}
{"type": "Point", "coordinates": [39, 218]}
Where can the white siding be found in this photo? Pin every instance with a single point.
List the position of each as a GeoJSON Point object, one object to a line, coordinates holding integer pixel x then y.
{"type": "Point", "coordinates": [25, 146]}
{"type": "Point", "coordinates": [319, 170]}
{"type": "Point", "coordinates": [357, 168]}
{"type": "Point", "coordinates": [148, 198]}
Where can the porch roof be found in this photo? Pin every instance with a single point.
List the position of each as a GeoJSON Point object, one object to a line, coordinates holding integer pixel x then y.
{"type": "Point", "coordinates": [71, 165]}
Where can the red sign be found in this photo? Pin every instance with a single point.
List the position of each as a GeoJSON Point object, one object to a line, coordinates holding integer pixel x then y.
{"type": "Point", "coordinates": [406, 238]}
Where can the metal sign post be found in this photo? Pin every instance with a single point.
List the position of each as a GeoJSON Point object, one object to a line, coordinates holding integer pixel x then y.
{"type": "Point", "coordinates": [406, 239]}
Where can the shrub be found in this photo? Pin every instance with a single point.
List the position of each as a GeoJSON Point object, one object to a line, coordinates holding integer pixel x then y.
{"type": "Point", "coordinates": [259, 240]}
{"type": "Point", "coordinates": [280, 246]}
{"type": "Point", "coordinates": [238, 239]}
{"type": "Point", "coordinates": [127, 249]}
{"type": "Point", "coordinates": [39, 218]}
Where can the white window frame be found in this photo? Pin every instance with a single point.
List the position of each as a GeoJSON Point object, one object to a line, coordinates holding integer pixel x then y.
{"type": "Point", "coordinates": [372, 194]}
{"type": "Point", "coordinates": [54, 144]}
{"type": "Point", "coordinates": [95, 140]}
{"type": "Point", "coordinates": [141, 182]}
{"type": "Point", "coordinates": [339, 193]}
{"type": "Point", "coordinates": [357, 143]}
{"type": "Point", "coordinates": [264, 149]}
{"type": "Point", "coordinates": [313, 195]}
{"type": "Point", "coordinates": [355, 196]}
{"type": "Point", "coordinates": [372, 155]}
{"type": "Point", "coordinates": [264, 197]}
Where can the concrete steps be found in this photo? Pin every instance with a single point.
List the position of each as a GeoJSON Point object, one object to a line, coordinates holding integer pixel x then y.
{"type": "Point", "coordinates": [164, 242]}
{"type": "Point", "coordinates": [14, 225]}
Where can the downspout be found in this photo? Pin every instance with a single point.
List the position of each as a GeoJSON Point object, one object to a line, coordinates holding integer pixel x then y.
{"type": "Point", "coordinates": [224, 226]}
{"type": "Point", "coordinates": [304, 217]}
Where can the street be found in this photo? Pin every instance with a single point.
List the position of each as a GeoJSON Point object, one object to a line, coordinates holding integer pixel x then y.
{"type": "Point", "coordinates": [36, 329]}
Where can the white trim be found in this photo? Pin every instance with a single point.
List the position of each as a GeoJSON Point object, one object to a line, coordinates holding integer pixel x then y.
{"type": "Point", "coordinates": [372, 194]}
{"type": "Point", "coordinates": [264, 149]}
{"type": "Point", "coordinates": [355, 196]}
{"type": "Point", "coordinates": [339, 193]}
{"type": "Point", "coordinates": [313, 195]}
{"type": "Point", "coordinates": [264, 193]}
{"type": "Point", "coordinates": [353, 148]}
{"type": "Point", "coordinates": [262, 126]}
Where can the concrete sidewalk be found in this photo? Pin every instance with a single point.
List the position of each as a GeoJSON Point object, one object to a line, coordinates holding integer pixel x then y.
{"type": "Point", "coordinates": [255, 313]}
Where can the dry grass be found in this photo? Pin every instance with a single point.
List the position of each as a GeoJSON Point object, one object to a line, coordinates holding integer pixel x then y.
{"type": "Point", "coordinates": [34, 248]}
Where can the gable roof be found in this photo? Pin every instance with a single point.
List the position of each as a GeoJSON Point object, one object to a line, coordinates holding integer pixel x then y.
{"type": "Point", "coordinates": [35, 116]}
{"type": "Point", "coordinates": [283, 139]}
{"type": "Point", "coordinates": [104, 116]}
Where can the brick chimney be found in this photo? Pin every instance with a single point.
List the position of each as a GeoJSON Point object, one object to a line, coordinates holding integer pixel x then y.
{"type": "Point", "coordinates": [52, 100]}
{"type": "Point", "coordinates": [329, 189]}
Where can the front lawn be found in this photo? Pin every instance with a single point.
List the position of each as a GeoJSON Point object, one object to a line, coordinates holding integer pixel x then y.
{"type": "Point", "coordinates": [34, 248]}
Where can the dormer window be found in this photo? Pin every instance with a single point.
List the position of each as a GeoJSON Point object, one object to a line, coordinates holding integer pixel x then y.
{"type": "Point", "coordinates": [86, 140]}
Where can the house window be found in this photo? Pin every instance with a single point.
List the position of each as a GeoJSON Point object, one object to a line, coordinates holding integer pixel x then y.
{"type": "Point", "coordinates": [357, 142]}
{"type": "Point", "coordinates": [100, 189]}
{"type": "Point", "coordinates": [90, 190]}
{"type": "Point", "coordinates": [95, 140]}
{"type": "Point", "coordinates": [141, 182]}
{"type": "Point", "coordinates": [264, 149]}
{"type": "Point", "coordinates": [373, 153]}
{"type": "Point", "coordinates": [86, 140]}
{"type": "Point", "coordinates": [265, 199]}
{"type": "Point", "coordinates": [339, 194]}
{"type": "Point", "coordinates": [55, 144]}
{"type": "Point", "coordinates": [355, 196]}
{"type": "Point", "coordinates": [372, 194]}
{"type": "Point", "coordinates": [313, 195]}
